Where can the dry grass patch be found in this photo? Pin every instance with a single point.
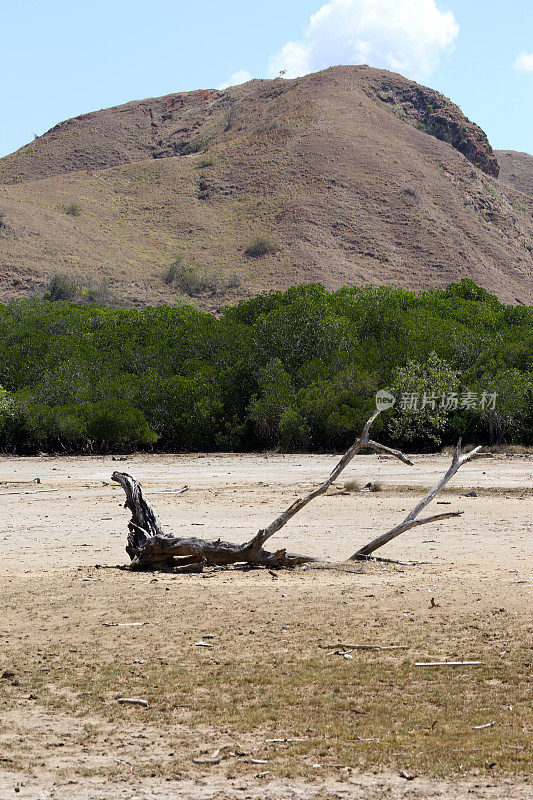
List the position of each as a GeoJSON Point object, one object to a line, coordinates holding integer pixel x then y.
{"type": "Point", "coordinates": [352, 486]}
{"type": "Point", "coordinates": [273, 673]}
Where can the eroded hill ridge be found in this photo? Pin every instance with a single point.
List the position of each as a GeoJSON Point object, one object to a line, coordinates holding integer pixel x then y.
{"type": "Point", "coordinates": [185, 122]}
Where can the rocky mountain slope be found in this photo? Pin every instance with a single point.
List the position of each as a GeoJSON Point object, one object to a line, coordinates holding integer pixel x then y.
{"type": "Point", "coordinates": [350, 175]}
{"type": "Point", "coordinates": [516, 169]}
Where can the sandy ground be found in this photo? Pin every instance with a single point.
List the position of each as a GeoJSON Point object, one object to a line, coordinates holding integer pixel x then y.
{"type": "Point", "coordinates": [60, 535]}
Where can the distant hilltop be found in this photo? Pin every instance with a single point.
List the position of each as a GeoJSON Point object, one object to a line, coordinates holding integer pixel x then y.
{"type": "Point", "coordinates": [351, 175]}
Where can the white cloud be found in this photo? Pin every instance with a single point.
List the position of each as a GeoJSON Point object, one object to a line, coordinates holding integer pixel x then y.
{"type": "Point", "coordinates": [241, 76]}
{"type": "Point", "coordinates": [407, 36]}
{"type": "Point", "coordinates": [524, 62]}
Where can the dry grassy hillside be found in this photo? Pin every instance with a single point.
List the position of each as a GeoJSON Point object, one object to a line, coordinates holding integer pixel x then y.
{"type": "Point", "coordinates": [341, 171]}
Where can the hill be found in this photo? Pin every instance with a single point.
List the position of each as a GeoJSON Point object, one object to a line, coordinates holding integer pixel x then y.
{"type": "Point", "coordinates": [348, 176]}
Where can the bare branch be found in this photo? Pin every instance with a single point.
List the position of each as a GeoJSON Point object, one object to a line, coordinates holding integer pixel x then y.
{"type": "Point", "coordinates": [401, 528]}
{"type": "Point", "coordinates": [409, 522]}
{"type": "Point", "coordinates": [261, 537]}
{"type": "Point", "coordinates": [381, 448]}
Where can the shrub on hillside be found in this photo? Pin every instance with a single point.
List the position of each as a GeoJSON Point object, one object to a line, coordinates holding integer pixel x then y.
{"type": "Point", "coordinates": [260, 246]}
{"type": "Point", "coordinates": [193, 147]}
{"type": "Point", "coordinates": [61, 287]}
{"type": "Point", "coordinates": [234, 281]}
{"type": "Point", "coordinates": [195, 281]}
{"type": "Point", "coordinates": [185, 277]}
{"type": "Point", "coordinates": [73, 209]}
{"type": "Point", "coordinates": [98, 294]}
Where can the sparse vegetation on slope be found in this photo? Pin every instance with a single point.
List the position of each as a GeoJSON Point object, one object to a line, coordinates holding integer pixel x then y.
{"type": "Point", "coordinates": [195, 281]}
{"type": "Point", "coordinates": [64, 287]}
{"type": "Point", "coordinates": [260, 246]}
{"type": "Point", "coordinates": [61, 287]}
{"type": "Point", "coordinates": [73, 209]}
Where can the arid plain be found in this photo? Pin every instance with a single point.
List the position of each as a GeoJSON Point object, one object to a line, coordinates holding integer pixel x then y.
{"type": "Point", "coordinates": [307, 672]}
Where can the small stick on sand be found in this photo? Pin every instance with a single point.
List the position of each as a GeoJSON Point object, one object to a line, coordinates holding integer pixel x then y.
{"type": "Point", "coordinates": [132, 701]}
{"type": "Point", "coordinates": [447, 663]}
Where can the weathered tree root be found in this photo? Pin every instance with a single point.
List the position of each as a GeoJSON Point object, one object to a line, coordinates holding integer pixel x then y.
{"type": "Point", "coordinates": [149, 547]}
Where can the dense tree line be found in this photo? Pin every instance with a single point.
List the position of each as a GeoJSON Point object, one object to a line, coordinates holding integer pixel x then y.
{"type": "Point", "coordinates": [297, 370]}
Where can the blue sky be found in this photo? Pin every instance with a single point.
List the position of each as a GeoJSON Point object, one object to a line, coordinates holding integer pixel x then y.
{"type": "Point", "coordinates": [59, 59]}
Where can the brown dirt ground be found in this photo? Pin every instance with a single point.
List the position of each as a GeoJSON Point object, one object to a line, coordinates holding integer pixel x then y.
{"type": "Point", "coordinates": [345, 727]}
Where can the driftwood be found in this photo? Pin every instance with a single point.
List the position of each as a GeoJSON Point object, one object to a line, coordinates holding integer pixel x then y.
{"type": "Point", "coordinates": [447, 663]}
{"type": "Point", "coordinates": [149, 547]}
{"type": "Point", "coordinates": [132, 701]}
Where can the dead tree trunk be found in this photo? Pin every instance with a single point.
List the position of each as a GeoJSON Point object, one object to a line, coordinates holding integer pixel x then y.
{"type": "Point", "coordinates": [149, 547]}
